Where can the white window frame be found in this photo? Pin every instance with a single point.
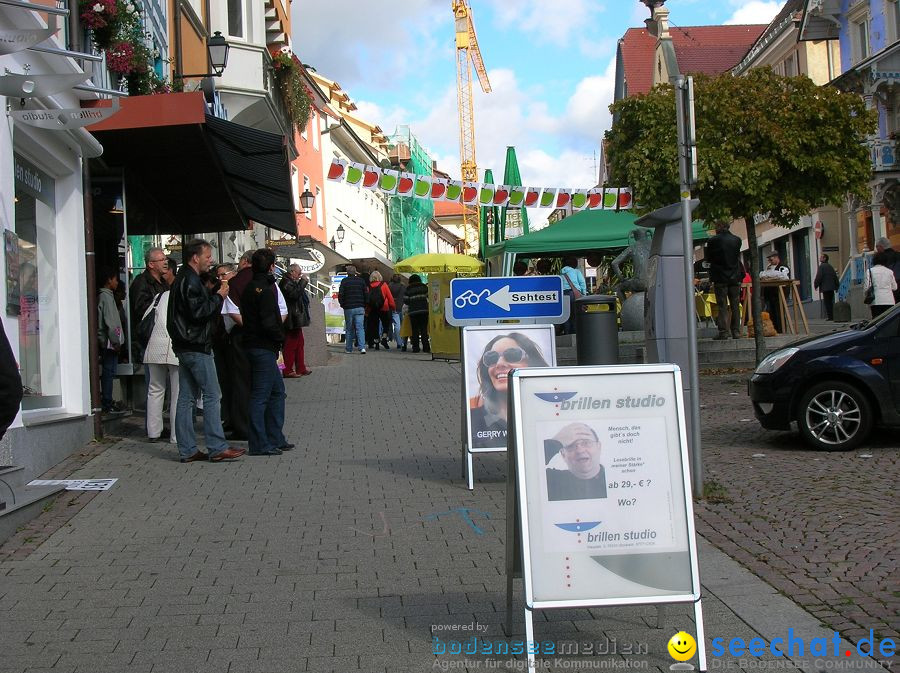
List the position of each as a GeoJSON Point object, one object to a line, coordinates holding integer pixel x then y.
{"type": "Point", "coordinates": [295, 187]}
{"type": "Point", "coordinates": [320, 218]}
{"type": "Point", "coordinates": [891, 21]}
{"type": "Point", "coordinates": [314, 128]}
{"type": "Point", "coordinates": [858, 18]}
{"type": "Point", "coordinates": [244, 17]}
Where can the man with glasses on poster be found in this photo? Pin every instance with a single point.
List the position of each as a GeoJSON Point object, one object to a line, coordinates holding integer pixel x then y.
{"type": "Point", "coordinates": [584, 477]}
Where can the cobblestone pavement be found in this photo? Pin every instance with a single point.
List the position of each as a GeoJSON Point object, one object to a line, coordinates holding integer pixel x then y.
{"type": "Point", "coordinates": [823, 528]}
{"type": "Point", "coordinates": [347, 553]}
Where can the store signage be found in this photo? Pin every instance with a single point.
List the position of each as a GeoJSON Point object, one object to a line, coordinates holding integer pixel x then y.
{"type": "Point", "coordinates": [600, 499]}
{"type": "Point", "coordinates": [33, 181]}
{"type": "Point", "coordinates": [63, 120]}
{"type": "Point", "coordinates": [506, 297]}
{"type": "Point", "coordinates": [12, 41]}
{"type": "Point", "coordinates": [311, 265]}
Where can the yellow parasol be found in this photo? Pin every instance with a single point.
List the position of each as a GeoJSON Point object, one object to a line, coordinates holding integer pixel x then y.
{"type": "Point", "coordinates": [439, 262]}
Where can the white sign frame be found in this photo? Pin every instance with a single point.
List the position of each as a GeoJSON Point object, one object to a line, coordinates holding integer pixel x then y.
{"type": "Point", "coordinates": [468, 334]}
{"type": "Point", "coordinates": [520, 539]}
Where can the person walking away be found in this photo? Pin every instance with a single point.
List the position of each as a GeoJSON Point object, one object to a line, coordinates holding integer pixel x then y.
{"type": "Point", "coordinates": [881, 277]}
{"type": "Point", "coordinates": [416, 300]}
{"type": "Point", "coordinates": [380, 307]}
{"type": "Point", "coordinates": [263, 338]}
{"type": "Point", "coordinates": [11, 390]}
{"type": "Point", "coordinates": [723, 252]}
{"type": "Point", "coordinates": [827, 283]}
{"type": "Point", "coordinates": [293, 287]}
{"type": "Point", "coordinates": [892, 261]}
{"type": "Point", "coordinates": [162, 365]}
{"type": "Point", "coordinates": [398, 291]}
{"type": "Point", "coordinates": [573, 287]}
{"type": "Point", "coordinates": [352, 294]}
{"type": "Point", "coordinates": [110, 335]}
{"type": "Point", "coordinates": [190, 320]}
{"type": "Point", "coordinates": [774, 271]}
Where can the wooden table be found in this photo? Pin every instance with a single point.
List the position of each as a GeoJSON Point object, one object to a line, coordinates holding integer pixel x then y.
{"type": "Point", "coordinates": [790, 325]}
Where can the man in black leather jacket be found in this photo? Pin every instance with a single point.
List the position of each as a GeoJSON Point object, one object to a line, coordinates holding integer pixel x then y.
{"type": "Point", "coordinates": [191, 319]}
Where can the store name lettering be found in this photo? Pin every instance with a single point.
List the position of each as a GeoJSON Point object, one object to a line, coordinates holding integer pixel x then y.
{"type": "Point", "coordinates": [621, 403]}
{"type": "Point", "coordinates": [28, 177]}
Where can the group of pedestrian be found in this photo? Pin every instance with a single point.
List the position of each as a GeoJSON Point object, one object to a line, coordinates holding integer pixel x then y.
{"type": "Point", "coordinates": [883, 277]}
{"type": "Point", "coordinates": [216, 336]}
{"type": "Point", "coordinates": [374, 311]}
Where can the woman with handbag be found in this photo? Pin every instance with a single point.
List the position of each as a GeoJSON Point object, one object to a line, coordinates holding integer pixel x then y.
{"type": "Point", "coordinates": [880, 285]}
{"type": "Point", "coordinates": [161, 363]}
{"type": "Point", "coordinates": [293, 287]}
{"type": "Point", "coordinates": [573, 287]}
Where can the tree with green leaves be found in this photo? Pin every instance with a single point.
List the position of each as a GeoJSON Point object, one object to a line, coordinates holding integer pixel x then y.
{"type": "Point", "coordinates": [766, 144]}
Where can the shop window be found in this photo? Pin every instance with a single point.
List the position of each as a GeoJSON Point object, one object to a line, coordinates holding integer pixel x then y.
{"type": "Point", "coordinates": [32, 286]}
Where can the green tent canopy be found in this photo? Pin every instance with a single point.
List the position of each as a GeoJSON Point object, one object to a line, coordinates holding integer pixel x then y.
{"type": "Point", "coordinates": [603, 231]}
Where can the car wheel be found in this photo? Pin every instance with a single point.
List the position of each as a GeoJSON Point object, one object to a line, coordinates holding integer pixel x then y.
{"type": "Point", "coordinates": [834, 416]}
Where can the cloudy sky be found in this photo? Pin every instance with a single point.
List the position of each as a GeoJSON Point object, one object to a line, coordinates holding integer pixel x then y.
{"type": "Point", "coordinates": [551, 68]}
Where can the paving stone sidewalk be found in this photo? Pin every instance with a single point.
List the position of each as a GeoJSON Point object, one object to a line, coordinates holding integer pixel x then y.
{"type": "Point", "coordinates": [343, 555]}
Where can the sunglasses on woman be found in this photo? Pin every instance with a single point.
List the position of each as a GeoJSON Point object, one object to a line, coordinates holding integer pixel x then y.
{"type": "Point", "coordinates": [490, 358]}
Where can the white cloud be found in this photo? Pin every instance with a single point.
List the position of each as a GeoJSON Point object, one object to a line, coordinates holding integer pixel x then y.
{"type": "Point", "coordinates": [755, 11]}
{"type": "Point", "coordinates": [345, 37]}
{"type": "Point", "coordinates": [550, 23]}
{"type": "Point", "coordinates": [587, 112]}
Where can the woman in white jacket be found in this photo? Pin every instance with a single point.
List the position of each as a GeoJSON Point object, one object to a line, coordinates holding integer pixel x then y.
{"type": "Point", "coordinates": [160, 361]}
{"type": "Point", "coordinates": [882, 278]}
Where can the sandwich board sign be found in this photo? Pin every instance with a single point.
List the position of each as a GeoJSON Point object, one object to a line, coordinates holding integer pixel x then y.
{"type": "Point", "coordinates": [488, 355]}
{"type": "Point", "coordinates": [599, 497]}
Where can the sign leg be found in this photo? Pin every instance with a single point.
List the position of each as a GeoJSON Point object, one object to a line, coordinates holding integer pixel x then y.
{"type": "Point", "coordinates": [662, 613]}
{"type": "Point", "coordinates": [701, 638]}
{"type": "Point", "coordinates": [529, 637]}
{"type": "Point", "coordinates": [462, 463]}
{"type": "Point", "coordinates": [470, 476]}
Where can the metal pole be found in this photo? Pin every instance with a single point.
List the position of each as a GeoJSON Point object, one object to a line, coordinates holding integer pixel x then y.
{"type": "Point", "coordinates": [686, 165]}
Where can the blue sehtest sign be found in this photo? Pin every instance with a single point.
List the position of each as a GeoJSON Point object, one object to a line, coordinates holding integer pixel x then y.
{"type": "Point", "coordinates": [506, 297]}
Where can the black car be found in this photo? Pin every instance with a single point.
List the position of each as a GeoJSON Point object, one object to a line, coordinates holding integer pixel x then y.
{"type": "Point", "coordinates": [836, 387]}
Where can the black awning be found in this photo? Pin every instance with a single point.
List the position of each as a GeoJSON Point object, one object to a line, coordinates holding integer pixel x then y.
{"type": "Point", "coordinates": [256, 166]}
{"type": "Point", "coordinates": [190, 173]}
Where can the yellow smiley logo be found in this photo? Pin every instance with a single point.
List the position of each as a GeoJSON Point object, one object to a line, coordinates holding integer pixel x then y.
{"type": "Point", "coordinates": [682, 646]}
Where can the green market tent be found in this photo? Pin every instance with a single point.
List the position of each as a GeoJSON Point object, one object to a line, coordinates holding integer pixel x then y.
{"type": "Point", "coordinates": [604, 231]}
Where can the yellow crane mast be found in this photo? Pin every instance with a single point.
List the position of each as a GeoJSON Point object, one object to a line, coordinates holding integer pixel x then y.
{"type": "Point", "coordinates": [466, 49]}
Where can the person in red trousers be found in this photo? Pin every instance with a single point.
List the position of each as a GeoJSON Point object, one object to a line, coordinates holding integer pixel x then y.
{"type": "Point", "coordinates": [293, 287]}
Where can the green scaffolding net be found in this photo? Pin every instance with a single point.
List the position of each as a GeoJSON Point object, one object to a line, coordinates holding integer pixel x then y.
{"type": "Point", "coordinates": [408, 217]}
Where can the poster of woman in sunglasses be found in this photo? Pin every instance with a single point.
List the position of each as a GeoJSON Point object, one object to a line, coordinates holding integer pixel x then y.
{"type": "Point", "coordinates": [490, 354]}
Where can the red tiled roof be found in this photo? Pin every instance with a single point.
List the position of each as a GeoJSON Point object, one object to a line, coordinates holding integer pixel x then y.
{"type": "Point", "coordinates": [699, 49]}
{"type": "Point", "coordinates": [450, 209]}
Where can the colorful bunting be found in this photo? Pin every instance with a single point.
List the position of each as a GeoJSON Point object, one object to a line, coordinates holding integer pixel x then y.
{"type": "Point", "coordinates": [389, 180]}
{"type": "Point", "coordinates": [399, 183]}
{"type": "Point", "coordinates": [337, 170]}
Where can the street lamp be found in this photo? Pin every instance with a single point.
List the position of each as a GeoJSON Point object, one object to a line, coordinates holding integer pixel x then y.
{"type": "Point", "coordinates": [217, 47]}
{"type": "Point", "coordinates": [340, 233]}
{"type": "Point", "coordinates": [307, 199]}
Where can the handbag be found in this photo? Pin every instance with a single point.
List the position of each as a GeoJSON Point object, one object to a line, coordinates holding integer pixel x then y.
{"type": "Point", "coordinates": [406, 327]}
{"type": "Point", "coordinates": [870, 291]}
{"type": "Point", "coordinates": [145, 327]}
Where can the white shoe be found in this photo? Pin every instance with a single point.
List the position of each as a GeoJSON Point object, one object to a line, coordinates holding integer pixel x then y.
{"type": "Point", "coordinates": [362, 351]}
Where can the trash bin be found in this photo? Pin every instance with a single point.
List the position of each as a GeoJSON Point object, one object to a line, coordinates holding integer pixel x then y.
{"type": "Point", "coordinates": [596, 330]}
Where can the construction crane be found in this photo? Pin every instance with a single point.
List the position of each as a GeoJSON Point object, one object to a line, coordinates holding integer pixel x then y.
{"type": "Point", "coordinates": [466, 49]}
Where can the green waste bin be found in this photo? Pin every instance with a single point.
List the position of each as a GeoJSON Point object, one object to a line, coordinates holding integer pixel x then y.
{"type": "Point", "coordinates": [596, 330]}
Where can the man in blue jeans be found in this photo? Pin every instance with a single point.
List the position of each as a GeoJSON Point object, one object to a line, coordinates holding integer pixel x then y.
{"type": "Point", "coordinates": [352, 296]}
{"type": "Point", "coordinates": [263, 338]}
{"type": "Point", "coordinates": [190, 320]}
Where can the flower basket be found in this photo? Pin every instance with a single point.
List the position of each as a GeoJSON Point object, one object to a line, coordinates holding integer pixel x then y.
{"type": "Point", "coordinates": [297, 99]}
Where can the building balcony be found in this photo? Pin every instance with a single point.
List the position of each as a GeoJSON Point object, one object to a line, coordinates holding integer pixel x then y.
{"type": "Point", "coordinates": [248, 90]}
{"type": "Point", "coordinates": [883, 152]}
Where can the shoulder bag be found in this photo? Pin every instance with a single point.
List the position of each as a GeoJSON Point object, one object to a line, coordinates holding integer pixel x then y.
{"type": "Point", "coordinates": [870, 291]}
{"type": "Point", "coordinates": [145, 327]}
